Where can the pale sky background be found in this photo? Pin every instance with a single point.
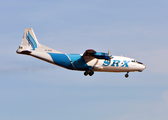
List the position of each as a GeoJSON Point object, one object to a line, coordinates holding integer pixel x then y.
{"type": "Point", "coordinates": [31, 89]}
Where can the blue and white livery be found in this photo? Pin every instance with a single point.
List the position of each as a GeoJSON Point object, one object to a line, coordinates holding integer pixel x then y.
{"type": "Point", "coordinates": [89, 62]}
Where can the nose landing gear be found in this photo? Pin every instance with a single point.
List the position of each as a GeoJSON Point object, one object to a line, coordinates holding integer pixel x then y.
{"type": "Point", "coordinates": [90, 72]}
{"type": "Point", "coordinates": [127, 75]}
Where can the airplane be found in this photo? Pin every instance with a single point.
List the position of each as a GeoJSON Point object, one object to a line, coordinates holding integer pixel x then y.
{"type": "Point", "coordinates": [89, 62]}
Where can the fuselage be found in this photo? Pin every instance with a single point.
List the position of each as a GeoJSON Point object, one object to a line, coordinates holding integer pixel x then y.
{"type": "Point", "coordinates": [78, 62]}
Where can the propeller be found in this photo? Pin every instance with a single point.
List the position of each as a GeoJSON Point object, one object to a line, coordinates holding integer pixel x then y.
{"type": "Point", "coordinates": [109, 54]}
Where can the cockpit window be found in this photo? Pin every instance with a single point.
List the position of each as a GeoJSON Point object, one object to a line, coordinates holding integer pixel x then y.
{"type": "Point", "coordinates": [133, 61]}
{"type": "Point", "coordinates": [139, 62]}
{"type": "Point", "coordinates": [136, 61]}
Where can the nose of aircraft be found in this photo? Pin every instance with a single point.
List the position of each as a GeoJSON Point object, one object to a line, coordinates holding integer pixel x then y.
{"type": "Point", "coordinates": [143, 67]}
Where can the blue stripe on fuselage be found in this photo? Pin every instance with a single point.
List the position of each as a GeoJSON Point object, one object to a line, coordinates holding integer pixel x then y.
{"type": "Point", "coordinates": [61, 60]}
{"type": "Point", "coordinates": [75, 61]}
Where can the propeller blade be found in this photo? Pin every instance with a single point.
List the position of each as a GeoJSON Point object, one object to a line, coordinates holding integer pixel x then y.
{"type": "Point", "coordinates": [109, 54]}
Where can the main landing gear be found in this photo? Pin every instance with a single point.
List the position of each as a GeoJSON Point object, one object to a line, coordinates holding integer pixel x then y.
{"type": "Point", "coordinates": [89, 72]}
{"type": "Point", "coordinates": [127, 75]}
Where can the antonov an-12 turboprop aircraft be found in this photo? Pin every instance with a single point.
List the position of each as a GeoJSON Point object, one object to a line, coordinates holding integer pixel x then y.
{"type": "Point", "coordinates": [89, 62]}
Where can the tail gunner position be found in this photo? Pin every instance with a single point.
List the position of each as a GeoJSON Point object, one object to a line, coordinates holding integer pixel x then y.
{"type": "Point", "coordinates": [89, 62]}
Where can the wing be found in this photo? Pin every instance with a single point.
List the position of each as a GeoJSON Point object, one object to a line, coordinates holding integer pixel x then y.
{"type": "Point", "coordinates": [89, 58]}
{"type": "Point", "coordinates": [89, 52]}
{"type": "Point", "coordinates": [99, 55]}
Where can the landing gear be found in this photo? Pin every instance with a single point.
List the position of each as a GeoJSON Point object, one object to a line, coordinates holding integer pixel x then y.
{"type": "Point", "coordinates": [127, 75]}
{"type": "Point", "coordinates": [86, 73]}
{"type": "Point", "coordinates": [90, 72]}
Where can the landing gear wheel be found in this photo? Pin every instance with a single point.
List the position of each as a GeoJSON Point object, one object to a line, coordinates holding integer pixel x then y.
{"type": "Point", "coordinates": [86, 73]}
{"type": "Point", "coordinates": [126, 75]}
{"type": "Point", "coordinates": [91, 72]}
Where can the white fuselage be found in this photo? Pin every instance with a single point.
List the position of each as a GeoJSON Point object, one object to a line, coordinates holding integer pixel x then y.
{"type": "Point", "coordinates": [116, 64]}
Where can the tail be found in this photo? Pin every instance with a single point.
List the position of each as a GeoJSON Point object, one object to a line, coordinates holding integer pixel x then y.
{"type": "Point", "coordinates": [29, 40]}
{"type": "Point", "coordinates": [30, 43]}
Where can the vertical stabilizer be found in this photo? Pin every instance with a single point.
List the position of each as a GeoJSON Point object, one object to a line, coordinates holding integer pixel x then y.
{"type": "Point", "coordinates": [29, 40]}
